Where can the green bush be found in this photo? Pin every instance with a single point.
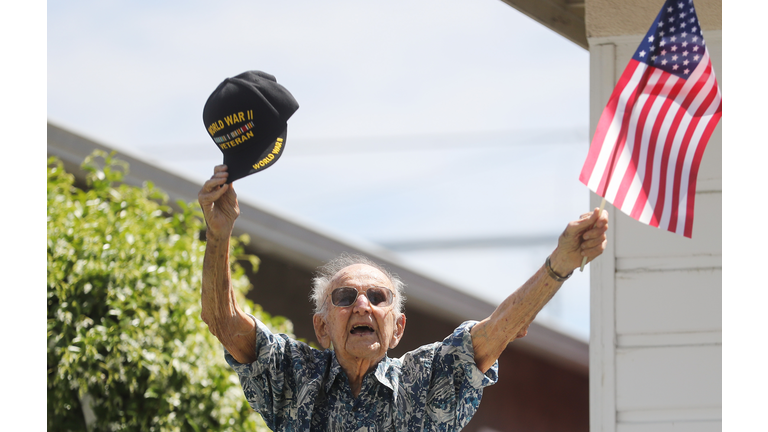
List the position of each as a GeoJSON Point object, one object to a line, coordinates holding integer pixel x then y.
{"type": "Point", "coordinates": [127, 349]}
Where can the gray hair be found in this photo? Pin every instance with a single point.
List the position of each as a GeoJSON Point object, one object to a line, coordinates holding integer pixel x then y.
{"type": "Point", "coordinates": [324, 275]}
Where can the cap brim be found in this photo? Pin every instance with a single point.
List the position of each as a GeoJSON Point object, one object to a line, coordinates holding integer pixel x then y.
{"type": "Point", "coordinates": [255, 157]}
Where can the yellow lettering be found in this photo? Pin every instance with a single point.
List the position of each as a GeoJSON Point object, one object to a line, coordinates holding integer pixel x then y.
{"type": "Point", "coordinates": [264, 161]}
{"type": "Point", "coordinates": [241, 116]}
{"type": "Point", "coordinates": [215, 127]}
{"type": "Point", "coordinates": [236, 141]}
{"type": "Point", "coordinates": [278, 146]}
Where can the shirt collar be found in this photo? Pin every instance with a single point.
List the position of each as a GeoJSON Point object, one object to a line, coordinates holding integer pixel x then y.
{"type": "Point", "coordinates": [333, 373]}
{"type": "Point", "coordinates": [384, 373]}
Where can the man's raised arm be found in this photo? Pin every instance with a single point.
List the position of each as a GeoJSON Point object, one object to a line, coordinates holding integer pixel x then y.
{"type": "Point", "coordinates": [234, 329]}
{"type": "Point", "coordinates": [582, 238]}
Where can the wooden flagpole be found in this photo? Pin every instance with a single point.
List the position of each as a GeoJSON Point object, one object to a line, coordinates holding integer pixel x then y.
{"type": "Point", "coordinates": [599, 212]}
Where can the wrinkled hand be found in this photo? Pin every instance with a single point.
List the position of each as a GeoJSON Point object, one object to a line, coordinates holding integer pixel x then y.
{"type": "Point", "coordinates": [582, 238]}
{"type": "Point", "coordinates": [219, 203]}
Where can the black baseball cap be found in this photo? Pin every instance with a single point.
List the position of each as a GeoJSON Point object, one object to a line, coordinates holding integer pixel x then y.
{"type": "Point", "coordinates": [246, 116]}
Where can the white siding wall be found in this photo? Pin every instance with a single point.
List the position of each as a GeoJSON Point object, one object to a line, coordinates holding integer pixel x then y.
{"type": "Point", "coordinates": [656, 328]}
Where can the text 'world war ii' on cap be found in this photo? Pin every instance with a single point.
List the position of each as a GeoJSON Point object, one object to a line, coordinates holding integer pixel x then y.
{"type": "Point", "coordinates": [247, 118]}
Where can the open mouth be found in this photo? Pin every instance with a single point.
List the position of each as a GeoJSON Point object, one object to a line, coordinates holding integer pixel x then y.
{"type": "Point", "coordinates": [361, 329]}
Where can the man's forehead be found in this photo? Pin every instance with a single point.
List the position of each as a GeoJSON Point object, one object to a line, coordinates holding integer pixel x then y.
{"type": "Point", "coordinates": [360, 274]}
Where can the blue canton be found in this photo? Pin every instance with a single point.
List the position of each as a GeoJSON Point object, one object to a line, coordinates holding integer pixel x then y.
{"type": "Point", "coordinates": [295, 387]}
{"type": "Point", "coordinates": [675, 42]}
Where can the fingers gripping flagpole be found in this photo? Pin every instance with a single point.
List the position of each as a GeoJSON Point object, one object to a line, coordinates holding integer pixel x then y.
{"type": "Point", "coordinates": [599, 212]}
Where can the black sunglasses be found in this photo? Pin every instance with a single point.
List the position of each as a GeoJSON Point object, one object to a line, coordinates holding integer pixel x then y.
{"type": "Point", "coordinates": [346, 296]}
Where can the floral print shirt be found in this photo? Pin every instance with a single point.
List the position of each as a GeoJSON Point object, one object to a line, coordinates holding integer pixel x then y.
{"type": "Point", "coordinates": [297, 388]}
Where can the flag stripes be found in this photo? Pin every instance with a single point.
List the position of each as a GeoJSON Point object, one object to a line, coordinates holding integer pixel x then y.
{"type": "Point", "coordinates": [647, 148]}
{"type": "Point", "coordinates": [649, 141]}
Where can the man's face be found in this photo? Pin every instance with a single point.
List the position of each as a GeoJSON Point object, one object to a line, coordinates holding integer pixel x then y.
{"type": "Point", "coordinates": [361, 330]}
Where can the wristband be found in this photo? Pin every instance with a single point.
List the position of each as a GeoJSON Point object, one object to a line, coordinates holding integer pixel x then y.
{"type": "Point", "coordinates": [554, 275]}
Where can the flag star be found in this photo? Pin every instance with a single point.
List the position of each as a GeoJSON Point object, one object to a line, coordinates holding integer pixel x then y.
{"type": "Point", "coordinates": [670, 9]}
{"type": "Point", "coordinates": [696, 57]}
{"type": "Point", "coordinates": [694, 30]}
{"type": "Point", "coordinates": [663, 52]}
{"type": "Point", "coordinates": [672, 29]}
{"type": "Point", "coordinates": [674, 67]}
{"type": "Point", "coordinates": [686, 71]}
{"type": "Point", "coordinates": [682, 25]}
{"type": "Point", "coordinates": [679, 5]}
{"type": "Point", "coordinates": [685, 63]}
{"type": "Point", "coordinates": [663, 62]}
{"type": "Point", "coordinates": [653, 58]}
{"type": "Point", "coordinates": [685, 53]}
{"type": "Point", "coordinates": [674, 48]}
{"type": "Point", "coordinates": [650, 39]}
{"type": "Point", "coordinates": [673, 38]}
{"type": "Point", "coordinates": [682, 14]}
{"type": "Point", "coordinates": [692, 20]}
{"type": "Point", "coordinates": [685, 44]}
{"type": "Point", "coordinates": [674, 58]}
{"type": "Point", "coordinates": [642, 53]}
{"type": "Point", "coordinates": [684, 35]}
{"type": "Point", "coordinates": [661, 33]}
{"type": "Point", "coordinates": [671, 19]}
{"type": "Point", "coordinates": [662, 43]}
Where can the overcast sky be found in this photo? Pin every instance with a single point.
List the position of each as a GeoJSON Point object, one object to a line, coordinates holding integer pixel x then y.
{"type": "Point", "coordinates": [441, 86]}
{"type": "Point", "coordinates": [131, 72]}
{"type": "Point", "coordinates": [444, 119]}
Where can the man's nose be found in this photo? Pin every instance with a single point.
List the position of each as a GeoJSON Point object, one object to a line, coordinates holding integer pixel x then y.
{"type": "Point", "coordinates": [362, 303]}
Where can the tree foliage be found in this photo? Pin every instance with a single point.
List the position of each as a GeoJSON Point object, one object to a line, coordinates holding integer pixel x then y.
{"type": "Point", "coordinates": [127, 349]}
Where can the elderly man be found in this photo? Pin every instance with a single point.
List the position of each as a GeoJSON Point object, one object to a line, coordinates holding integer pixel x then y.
{"type": "Point", "coordinates": [352, 384]}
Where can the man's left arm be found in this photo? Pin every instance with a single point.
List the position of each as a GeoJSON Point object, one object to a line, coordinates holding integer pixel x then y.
{"type": "Point", "coordinates": [582, 238]}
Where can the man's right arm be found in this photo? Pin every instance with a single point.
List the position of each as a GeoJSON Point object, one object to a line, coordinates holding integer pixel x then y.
{"type": "Point", "coordinates": [582, 238]}
{"type": "Point", "coordinates": [233, 327]}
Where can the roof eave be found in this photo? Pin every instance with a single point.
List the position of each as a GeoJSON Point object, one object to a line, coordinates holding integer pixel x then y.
{"type": "Point", "coordinates": [564, 17]}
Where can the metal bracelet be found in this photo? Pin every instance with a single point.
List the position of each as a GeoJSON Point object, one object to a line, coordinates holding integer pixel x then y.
{"type": "Point", "coordinates": [554, 275]}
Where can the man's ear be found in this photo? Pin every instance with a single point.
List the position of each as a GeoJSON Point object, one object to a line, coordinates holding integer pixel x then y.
{"type": "Point", "coordinates": [321, 330]}
{"type": "Point", "coordinates": [399, 330]}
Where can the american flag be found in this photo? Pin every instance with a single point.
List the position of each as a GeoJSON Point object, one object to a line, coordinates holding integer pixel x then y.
{"type": "Point", "coordinates": [647, 147]}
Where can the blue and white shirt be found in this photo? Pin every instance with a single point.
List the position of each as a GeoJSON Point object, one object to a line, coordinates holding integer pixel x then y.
{"type": "Point", "coordinates": [297, 388]}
